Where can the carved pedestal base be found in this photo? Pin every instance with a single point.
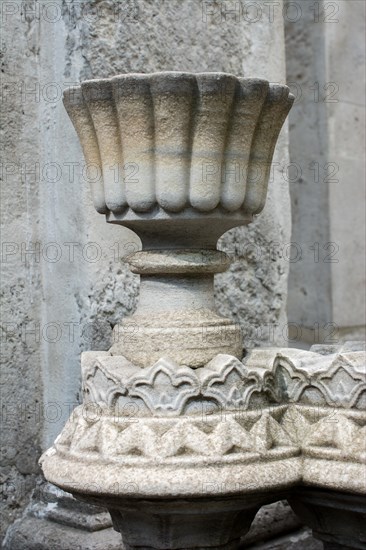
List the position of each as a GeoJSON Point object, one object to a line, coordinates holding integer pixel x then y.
{"type": "Point", "coordinates": [183, 458]}
{"type": "Point", "coordinates": [215, 524]}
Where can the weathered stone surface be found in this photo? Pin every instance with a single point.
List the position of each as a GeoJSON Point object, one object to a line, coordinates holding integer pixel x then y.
{"type": "Point", "coordinates": [21, 278]}
{"type": "Point", "coordinates": [301, 540]}
{"type": "Point", "coordinates": [54, 519]}
{"type": "Point", "coordinates": [39, 534]}
{"type": "Point", "coordinates": [271, 521]}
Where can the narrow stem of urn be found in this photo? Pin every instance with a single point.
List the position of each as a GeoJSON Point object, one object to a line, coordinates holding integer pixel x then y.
{"type": "Point", "coordinates": [170, 294]}
{"type": "Point", "coordinates": [176, 316]}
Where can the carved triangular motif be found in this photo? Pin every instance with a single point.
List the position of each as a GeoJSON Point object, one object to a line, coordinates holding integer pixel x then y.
{"type": "Point", "coordinates": [295, 425]}
{"type": "Point", "coordinates": [280, 437]}
{"type": "Point", "coordinates": [90, 440]}
{"type": "Point", "coordinates": [322, 434]}
{"type": "Point", "coordinates": [239, 436]}
{"type": "Point", "coordinates": [261, 434]}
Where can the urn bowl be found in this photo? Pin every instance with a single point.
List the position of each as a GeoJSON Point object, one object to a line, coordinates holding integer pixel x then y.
{"type": "Point", "coordinates": [172, 146]}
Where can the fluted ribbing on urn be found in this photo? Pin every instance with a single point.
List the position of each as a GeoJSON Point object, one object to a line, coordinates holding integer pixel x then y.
{"type": "Point", "coordinates": [178, 140]}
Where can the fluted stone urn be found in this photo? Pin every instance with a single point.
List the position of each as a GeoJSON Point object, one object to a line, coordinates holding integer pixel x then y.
{"type": "Point", "coordinates": [179, 158]}
{"type": "Point", "coordinates": [178, 436]}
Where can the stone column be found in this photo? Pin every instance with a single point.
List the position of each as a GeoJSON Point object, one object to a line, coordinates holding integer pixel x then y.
{"type": "Point", "coordinates": [327, 144]}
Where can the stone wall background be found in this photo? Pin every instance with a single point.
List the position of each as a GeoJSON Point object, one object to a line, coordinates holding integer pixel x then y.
{"type": "Point", "coordinates": [65, 297]}
{"type": "Point", "coordinates": [326, 71]}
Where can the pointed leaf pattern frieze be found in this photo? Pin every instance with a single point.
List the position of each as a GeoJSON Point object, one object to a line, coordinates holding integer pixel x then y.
{"type": "Point", "coordinates": [166, 389]}
{"type": "Point", "coordinates": [311, 378]}
{"type": "Point", "coordinates": [270, 376]}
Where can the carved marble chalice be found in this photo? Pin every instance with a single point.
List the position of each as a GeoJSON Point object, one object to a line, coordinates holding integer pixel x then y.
{"type": "Point", "coordinates": [184, 158]}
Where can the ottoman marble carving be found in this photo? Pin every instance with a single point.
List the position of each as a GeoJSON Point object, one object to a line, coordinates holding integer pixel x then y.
{"type": "Point", "coordinates": [184, 434]}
